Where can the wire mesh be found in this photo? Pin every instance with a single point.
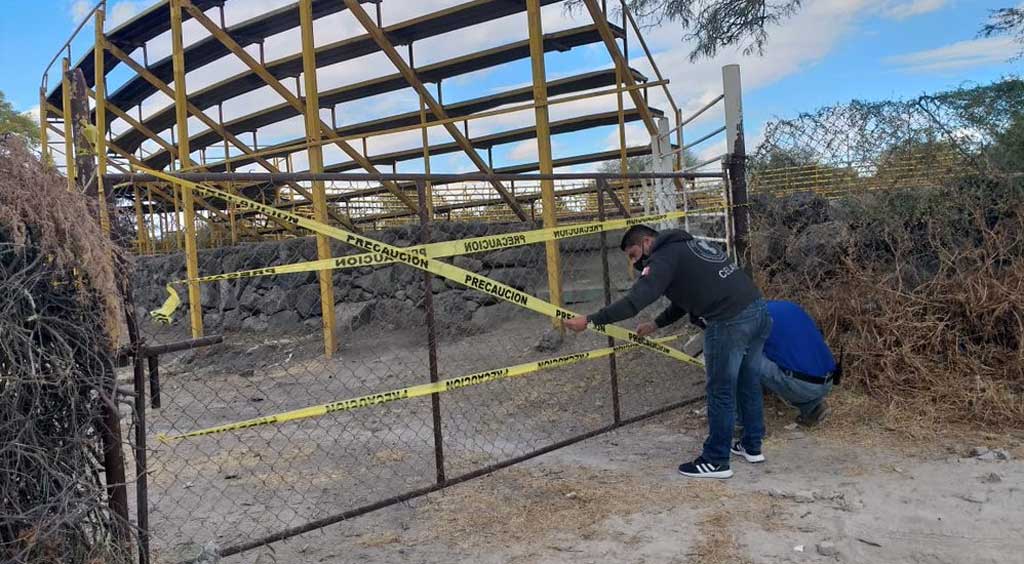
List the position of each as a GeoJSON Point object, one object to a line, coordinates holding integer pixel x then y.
{"type": "Point", "coordinates": [228, 489]}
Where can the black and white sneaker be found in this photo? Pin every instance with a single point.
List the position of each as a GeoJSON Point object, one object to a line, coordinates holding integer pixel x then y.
{"type": "Point", "coordinates": [752, 457]}
{"type": "Point", "coordinates": [701, 468]}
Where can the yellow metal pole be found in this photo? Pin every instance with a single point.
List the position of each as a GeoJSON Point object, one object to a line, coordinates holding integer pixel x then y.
{"type": "Point", "coordinates": [179, 242]}
{"type": "Point", "coordinates": [101, 122]}
{"type": "Point", "coordinates": [316, 164]}
{"type": "Point", "coordinates": [44, 141]}
{"type": "Point", "coordinates": [140, 226]}
{"type": "Point", "coordinates": [69, 147]}
{"type": "Point", "coordinates": [426, 158]}
{"type": "Point", "coordinates": [181, 111]}
{"type": "Point", "coordinates": [547, 187]}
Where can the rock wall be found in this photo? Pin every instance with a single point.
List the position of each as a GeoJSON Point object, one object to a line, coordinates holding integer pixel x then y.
{"type": "Point", "coordinates": [390, 295]}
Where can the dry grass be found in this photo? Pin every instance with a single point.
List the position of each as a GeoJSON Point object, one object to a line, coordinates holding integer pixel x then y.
{"type": "Point", "coordinates": [930, 309]}
{"type": "Point", "coordinates": [60, 318]}
{"type": "Point", "coordinates": [36, 208]}
{"type": "Point", "coordinates": [718, 544]}
{"type": "Point", "coordinates": [525, 505]}
{"type": "Point", "coordinates": [378, 540]}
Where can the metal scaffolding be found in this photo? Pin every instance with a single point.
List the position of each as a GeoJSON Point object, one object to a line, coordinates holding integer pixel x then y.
{"type": "Point", "coordinates": [167, 217]}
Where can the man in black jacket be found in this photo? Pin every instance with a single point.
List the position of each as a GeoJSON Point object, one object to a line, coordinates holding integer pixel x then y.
{"type": "Point", "coordinates": [700, 279]}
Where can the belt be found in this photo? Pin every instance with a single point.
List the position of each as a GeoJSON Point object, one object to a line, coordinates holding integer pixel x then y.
{"type": "Point", "coordinates": [810, 379]}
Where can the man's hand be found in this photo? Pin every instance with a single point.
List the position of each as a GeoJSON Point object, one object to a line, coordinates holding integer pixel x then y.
{"type": "Point", "coordinates": [646, 328]}
{"type": "Point", "coordinates": [577, 324]}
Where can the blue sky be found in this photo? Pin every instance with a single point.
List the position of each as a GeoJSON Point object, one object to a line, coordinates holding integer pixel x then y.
{"type": "Point", "coordinates": [835, 50]}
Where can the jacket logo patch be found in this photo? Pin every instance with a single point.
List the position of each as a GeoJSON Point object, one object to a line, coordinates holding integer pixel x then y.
{"type": "Point", "coordinates": [706, 251]}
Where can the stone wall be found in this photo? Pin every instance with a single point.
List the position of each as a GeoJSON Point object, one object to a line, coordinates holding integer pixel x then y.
{"type": "Point", "coordinates": [390, 295]}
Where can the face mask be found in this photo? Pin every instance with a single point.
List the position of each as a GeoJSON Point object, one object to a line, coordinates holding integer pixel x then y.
{"type": "Point", "coordinates": [641, 263]}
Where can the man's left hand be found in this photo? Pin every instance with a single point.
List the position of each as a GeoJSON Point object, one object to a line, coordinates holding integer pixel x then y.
{"type": "Point", "coordinates": [577, 324]}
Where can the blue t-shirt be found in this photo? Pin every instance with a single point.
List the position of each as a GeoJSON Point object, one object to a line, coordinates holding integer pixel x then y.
{"type": "Point", "coordinates": [795, 342]}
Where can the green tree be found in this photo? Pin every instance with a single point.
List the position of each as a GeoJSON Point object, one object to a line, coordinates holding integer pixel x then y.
{"type": "Point", "coordinates": [640, 163]}
{"type": "Point", "coordinates": [1008, 151]}
{"type": "Point", "coordinates": [18, 124]}
{"type": "Point", "coordinates": [1006, 21]}
{"type": "Point", "coordinates": [715, 24]}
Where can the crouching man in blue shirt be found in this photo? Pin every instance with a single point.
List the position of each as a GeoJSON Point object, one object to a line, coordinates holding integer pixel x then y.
{"type": "Point", "coordinates": [797, 364]}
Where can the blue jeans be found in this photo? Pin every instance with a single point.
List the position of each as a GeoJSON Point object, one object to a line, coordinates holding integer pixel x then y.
{"type": "Point", "coordinates": [732, 352]}
{"type": "Point", "coordinates": [804, 396]}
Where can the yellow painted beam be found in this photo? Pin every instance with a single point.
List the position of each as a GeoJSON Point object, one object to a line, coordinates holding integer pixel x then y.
{"type": "Point", "coordinates": [195, 111]}
{"type": "Point", "coordinates": [44, 141]}
{"type": "Point", "coordinates": [137, 125]}
{"type": "Point", "coordinates": [410, 77]}
{"type": "Point", "coordinates": [547, 187]}
{"type": "Point", "coordinates": [181, 113]}
{"type": "Point", "coordinates": [620, 63]}
{"type": "Point", "coordinates": [261, 71]}
{"type": "Point", "coordinates": [316, 164]}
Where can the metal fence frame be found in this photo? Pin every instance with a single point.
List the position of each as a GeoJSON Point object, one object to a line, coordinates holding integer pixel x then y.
{"type": "Point", "coordinates": [148, 357]}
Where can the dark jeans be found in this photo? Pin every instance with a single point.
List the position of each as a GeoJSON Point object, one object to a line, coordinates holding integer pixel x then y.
{"type": "Point", "coordinates": [732, 353]}
{"type": "Point", "coordinates": [804, 396]}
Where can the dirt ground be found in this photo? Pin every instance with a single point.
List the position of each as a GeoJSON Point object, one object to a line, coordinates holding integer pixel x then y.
{"type": "Point", "coordinates": [858, 489]}
{"type": "Point", "coordinates": [839, 493]}
{"type": "Point", "coordinates": [232, 488]}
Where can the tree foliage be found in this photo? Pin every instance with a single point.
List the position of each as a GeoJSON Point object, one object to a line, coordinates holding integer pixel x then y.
{"type": "Point", "coordinates": [1006, 21]}
{"type": "Point", "coordinates": [713, 25]}
{"type": "Point", "coordinates": [17, 123]}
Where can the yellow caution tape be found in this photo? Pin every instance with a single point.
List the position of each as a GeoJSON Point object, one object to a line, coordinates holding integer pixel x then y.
{"type": "Point", "coordinates": [415, 260]}
{"type": "Point", "coordinates": [431, 250]}
{"type": "Point", "coordinates": [412, 391]}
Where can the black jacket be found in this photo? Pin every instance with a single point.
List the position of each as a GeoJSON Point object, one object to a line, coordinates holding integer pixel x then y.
{"type": "Point", "coordinates": [697, 277]}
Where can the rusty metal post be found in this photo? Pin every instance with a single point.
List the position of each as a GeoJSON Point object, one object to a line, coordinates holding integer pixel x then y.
{"type": "Point", "coordinates": [428, 302]}
{"type": "Point", "coordinates": [69, 148]}
{"type": "Point", "coordinates": [110, 427]}
{"type": "Point", "coordinates": [100, 79]}
{"type": "Point", "coordinates": [736, 160]}
{"type": "Point", "coordinates": [154, 381]}
{"type": "Point", "coordinates": [141, 473]}
{"type": "Point", "coordinates": [606, 280]}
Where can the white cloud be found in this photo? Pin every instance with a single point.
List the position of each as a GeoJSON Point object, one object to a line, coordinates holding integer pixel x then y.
{"type": "Point", "coordinates": [33, 113]}
{"type": "Point", "coordinates": [794, 45]}
{"type": "Point", "coordinates": [123, 11]}
{"type": "Point", "coordinates": [908, 9]}
{"type": "Point", "coordinates": [960, 55]}
{"type": "Point", "coordinates": [79, 9]}
{"type": "Point", "coordinates": [636, 136]}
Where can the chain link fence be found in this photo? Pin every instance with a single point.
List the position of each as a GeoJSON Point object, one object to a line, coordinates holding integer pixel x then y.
{"type": "Point", "coordinates": [897, 225]}
{"type": "Point", "coordinates": [227, 492]}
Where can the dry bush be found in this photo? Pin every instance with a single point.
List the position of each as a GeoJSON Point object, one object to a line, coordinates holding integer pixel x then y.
{"type": "Point", "coordinates": [924, 289]}
{"type": "Point", "coordinates": [58, 316]}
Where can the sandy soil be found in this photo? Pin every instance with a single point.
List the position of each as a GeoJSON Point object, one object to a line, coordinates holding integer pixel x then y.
{"type": "Point", "coordinates": [825, 495]}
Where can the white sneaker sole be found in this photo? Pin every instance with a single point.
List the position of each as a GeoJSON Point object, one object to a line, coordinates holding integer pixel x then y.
{"type": "Point", "coordinates": [720, 475]}
{"type": "Point", "coordinates": [751, 458]}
